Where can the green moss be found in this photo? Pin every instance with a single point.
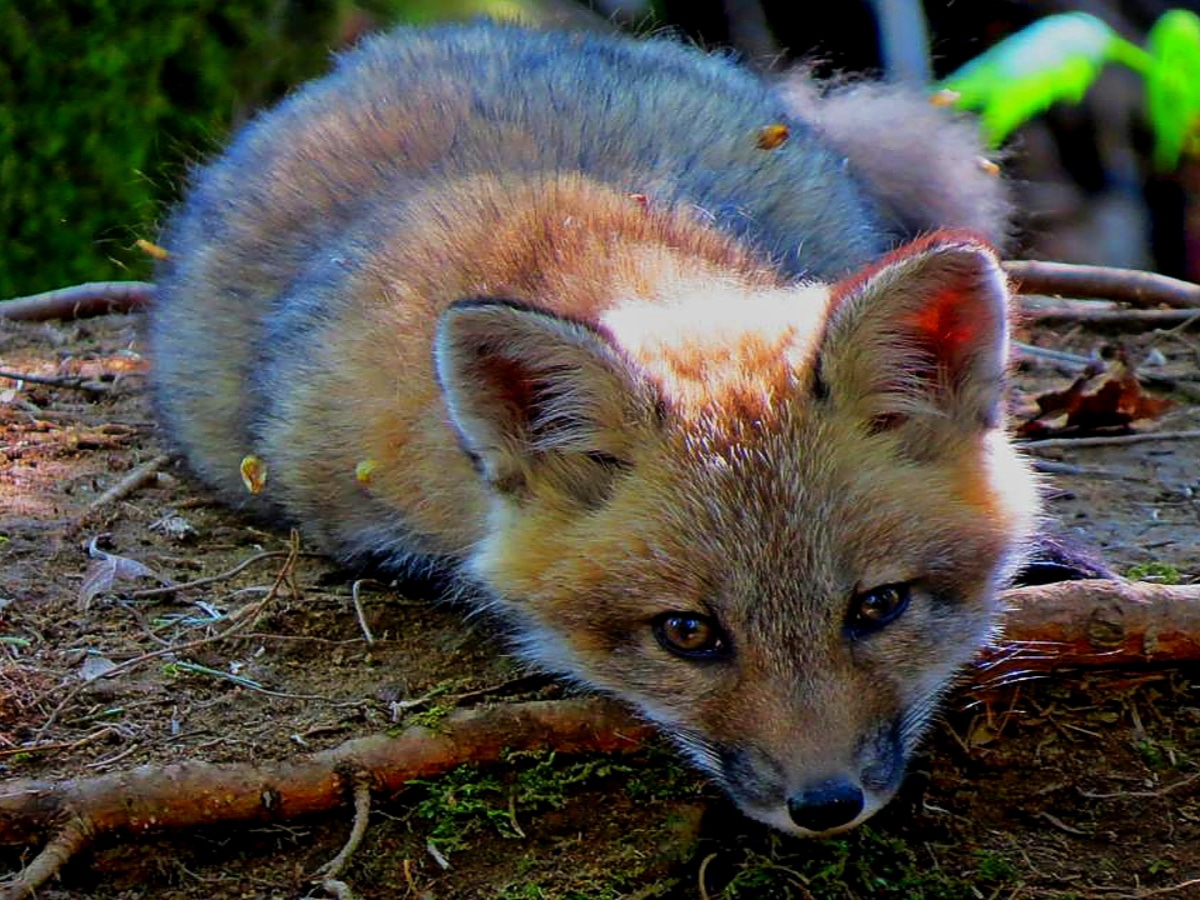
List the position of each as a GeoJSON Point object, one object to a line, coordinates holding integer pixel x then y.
{"type": "Point", "coordinates": [865, 863]}
{"type": "Point", "coordinates": [1161, 572]}
{"type": "Point", "coordinates": [465, 801]}
{"type": "Point", "coordinates": [104, 104]}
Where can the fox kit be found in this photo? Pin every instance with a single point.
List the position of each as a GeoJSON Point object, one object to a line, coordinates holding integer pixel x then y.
{"type": "Point", "coordinates": [608, 333]}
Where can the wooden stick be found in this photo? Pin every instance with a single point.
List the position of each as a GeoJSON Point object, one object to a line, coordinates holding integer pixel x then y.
{"type": "Point", "coordinates": [1139, 318]}
{"type": "Point", "coordinates": [136, 479]}
{"type": "Point", "coordinates": [1111, 440]}
{"type": "Point", "coordinates": [1095, 623]}
{"type": "Point", "coordinates": [195, 793]}
{"type": "Point", "coordinates": [74, 836]}
{"type": "Point", "coordinates": [80, 301]}
{"type": "Point", "coordinates": [1102, 282]}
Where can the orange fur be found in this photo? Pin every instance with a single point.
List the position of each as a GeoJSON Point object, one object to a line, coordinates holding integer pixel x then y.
{"type": "Point", "coordinates": [577, 388]}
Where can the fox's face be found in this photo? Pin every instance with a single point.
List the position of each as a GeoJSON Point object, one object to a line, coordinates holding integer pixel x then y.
{"type": "Point", "coordinates": [780, 542]}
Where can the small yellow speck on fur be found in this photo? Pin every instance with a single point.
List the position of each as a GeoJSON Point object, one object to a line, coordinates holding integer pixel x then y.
{"type": "Point", "coordinates": [773, 136]}
{"type": "Point", "coordinates": [364, 470]}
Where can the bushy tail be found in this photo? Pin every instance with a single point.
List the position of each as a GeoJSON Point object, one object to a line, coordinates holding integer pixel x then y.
{"type": "Point", "coordinates": [925, 166]}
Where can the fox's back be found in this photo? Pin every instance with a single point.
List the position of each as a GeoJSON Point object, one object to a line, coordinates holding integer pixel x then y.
{"type": "Point", "coordinates": [310, 185]}
{"type": "Point", "coordinates": [649, 117]}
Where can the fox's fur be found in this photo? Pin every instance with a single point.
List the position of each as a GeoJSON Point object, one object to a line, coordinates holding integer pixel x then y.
{"type": "Point", "coordinates": [545, 313]}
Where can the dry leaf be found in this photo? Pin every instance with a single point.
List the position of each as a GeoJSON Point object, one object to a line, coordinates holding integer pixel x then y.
{"type": "Point", "coordinates": [1102, 397]}
{"type": "Point", "coordinates": [94, 667]}
{"type": "Point", "coordinates": [254, 474]}
{"type": "Point", "coordinates": [107, 569]}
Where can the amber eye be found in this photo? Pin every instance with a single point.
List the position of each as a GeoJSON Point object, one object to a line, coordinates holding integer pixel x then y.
{"type": "Point", "coordinates": [872, 609]}
{"type": "Point", "coordinates": [691, 635]}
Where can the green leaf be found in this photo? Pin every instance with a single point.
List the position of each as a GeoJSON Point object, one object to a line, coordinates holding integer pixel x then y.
{"type": "Point", "coordinates": [1173, 85]}
{"type": "Point", "coordinates": [1056, 58]}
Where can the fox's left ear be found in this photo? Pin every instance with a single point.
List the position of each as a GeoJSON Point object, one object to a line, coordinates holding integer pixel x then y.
{"type": "Point", "coordinates": [923, 334]}
{"type": "Point", "coordinates": [540, 400]}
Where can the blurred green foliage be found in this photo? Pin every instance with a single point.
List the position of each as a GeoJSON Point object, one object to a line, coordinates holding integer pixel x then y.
{"type": "Point", "coordinates": [103, 103]}
{"type": "Point", "coordinates": [1058, 58]}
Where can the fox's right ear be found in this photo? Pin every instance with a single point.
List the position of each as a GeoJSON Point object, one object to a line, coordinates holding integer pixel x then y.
{"type": "Point", "coordinates": [539, 400]}
{"type": "Point", "coordinates": [921, 338]}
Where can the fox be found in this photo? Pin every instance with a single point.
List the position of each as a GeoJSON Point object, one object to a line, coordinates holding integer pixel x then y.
{"type": "Point", "coordinates": [650, 358]}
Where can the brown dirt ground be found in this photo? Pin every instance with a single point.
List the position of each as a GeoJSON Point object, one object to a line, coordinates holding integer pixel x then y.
{"type": "Point", "coordinates": [1078, 785]}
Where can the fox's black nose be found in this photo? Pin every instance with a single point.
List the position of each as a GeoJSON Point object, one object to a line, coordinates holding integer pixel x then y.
{"type": "Point", "coordinates": [826, 805]}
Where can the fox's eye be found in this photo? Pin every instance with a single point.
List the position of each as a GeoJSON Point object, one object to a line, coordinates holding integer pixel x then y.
{"type": "Point", "coordinates": [691, 635]}
{"type": "Point", "coordinates": [872, 609]}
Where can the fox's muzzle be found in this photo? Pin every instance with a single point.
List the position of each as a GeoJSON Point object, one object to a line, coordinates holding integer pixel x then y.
{"type": "Point", "coordinates": [812, 798]}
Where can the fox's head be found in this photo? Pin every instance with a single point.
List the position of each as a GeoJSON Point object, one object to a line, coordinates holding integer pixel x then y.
{"type": "Point", "coordinates": [776, 523]}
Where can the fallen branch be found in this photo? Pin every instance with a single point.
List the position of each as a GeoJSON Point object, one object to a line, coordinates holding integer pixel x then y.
{"type": "Point", "coordinates": [189, 794]}
{"type": "Point", "coordinates": [1110, 440]}
{"type": "Point", "coordinates": [1100, 282]}
{"type": "Point", "coordinates": [70, 383]}
{"type": "Point", "coordinates": [80, 301]}
{"type": "Point", "coordinates": [1140, 318]}
{"type": "Point", "coordinates": [1095, 623]}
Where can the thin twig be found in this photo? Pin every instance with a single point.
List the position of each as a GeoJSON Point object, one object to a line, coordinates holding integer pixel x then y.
{"type": "Point", "coordinates": [69, 382]}
{"type": "Point", "coordinates": [166, 590]}
{"type": "Point", "coordinates": [1103, 282]}
{"type": "Point", "coordinates": [251, 685]}
{"type": "Point", "coordinates": [1074, 361]}
{"type": "Point", "coordinates": [138, 478]}
{"type": "Point", "coordinates": [72, 838]}
{"type": "Point", "coordinates": [1114, 893]}
{"type": "Point", "coordinates": [1055, 467]}
{"type": "Point", "coordinates": [358, 611]}
{"type": "Point", "coordinates": [58, 745]}
{"type": "Point", "coordinates": [80, 301]}
{"type": "Point", "coordinates": [1146, 795]}
{"type": "Point", "coordinates": [1169, 889]}
{"type": "Point", "coordinates": [704, 864]}
{"type": "Point", "coordinates": [362, 812]}
{"type": "Point", "coordinates": [1115, 440]}
{"type": "Point", "coordinates": [1144, 318]}
{"type": "Point", "coordinates": [1061, 825]}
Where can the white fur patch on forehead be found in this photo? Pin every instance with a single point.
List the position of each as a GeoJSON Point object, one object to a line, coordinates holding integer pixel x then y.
{"type": "Point", "coordinates": [710, 312]}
